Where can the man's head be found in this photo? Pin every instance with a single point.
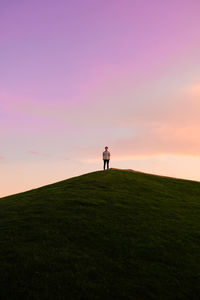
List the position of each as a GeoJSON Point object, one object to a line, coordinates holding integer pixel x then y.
{"type": "Point", "coordinates": [106, 148]}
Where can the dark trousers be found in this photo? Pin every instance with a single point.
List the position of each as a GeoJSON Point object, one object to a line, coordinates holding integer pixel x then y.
{"type": "Point", "coordinates": [106, 162]}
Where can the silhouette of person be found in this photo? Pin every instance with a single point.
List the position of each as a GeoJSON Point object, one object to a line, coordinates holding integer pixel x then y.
{"type": "Point", "coordinates": [106, 158]}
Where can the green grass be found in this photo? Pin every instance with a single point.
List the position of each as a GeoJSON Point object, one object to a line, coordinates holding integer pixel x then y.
{"type": "Point", "coordinates": [105, 235]}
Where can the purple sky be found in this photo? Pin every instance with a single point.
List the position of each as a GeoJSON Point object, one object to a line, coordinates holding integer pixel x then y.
{"type": "Point", "coordinates": [78, 75]}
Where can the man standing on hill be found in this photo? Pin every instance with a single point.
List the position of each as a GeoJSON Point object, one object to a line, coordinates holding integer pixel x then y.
{"type": "Point", "coordinates": [106, 158]}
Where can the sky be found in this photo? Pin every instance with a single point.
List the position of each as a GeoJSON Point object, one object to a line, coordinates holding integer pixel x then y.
{"type": "Point", "coordinates": [79, 75]}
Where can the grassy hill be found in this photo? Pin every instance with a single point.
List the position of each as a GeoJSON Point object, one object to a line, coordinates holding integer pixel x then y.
{"type": "Point", "coordinates": [105, 235]}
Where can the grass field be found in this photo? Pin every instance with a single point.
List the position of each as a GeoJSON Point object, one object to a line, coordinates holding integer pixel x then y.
{"type": "Point", "coordinates": [105, 235]}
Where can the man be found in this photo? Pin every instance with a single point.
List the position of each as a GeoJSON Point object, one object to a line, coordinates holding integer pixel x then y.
{"type": "Point", "coordinates": [106, 158]}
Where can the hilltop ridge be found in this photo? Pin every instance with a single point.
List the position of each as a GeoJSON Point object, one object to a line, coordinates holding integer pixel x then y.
{"type": "Point", "coordinates": [112, 234]}
{"type": "Point", "coordinates": [100, 171]}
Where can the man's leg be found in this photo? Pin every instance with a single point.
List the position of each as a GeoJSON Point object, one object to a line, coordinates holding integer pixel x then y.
{"type": "Point", "coordinates": [108, 164]}
{"type": "Point", "coordinates": [104, 164]}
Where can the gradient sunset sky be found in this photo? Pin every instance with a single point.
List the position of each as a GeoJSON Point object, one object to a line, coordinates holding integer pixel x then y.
{"type": "Point", "coordinates": [77, 75]}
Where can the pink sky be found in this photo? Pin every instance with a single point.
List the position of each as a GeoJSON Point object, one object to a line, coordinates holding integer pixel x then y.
{"type": "Point", "coordinates": [78, 75]}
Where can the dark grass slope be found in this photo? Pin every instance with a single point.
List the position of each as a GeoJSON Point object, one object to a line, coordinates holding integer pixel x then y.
{"type": "Point", "coordinates": [104, 235]}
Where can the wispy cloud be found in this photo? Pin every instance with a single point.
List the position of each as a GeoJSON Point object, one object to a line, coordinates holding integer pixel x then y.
{"type": "Point", "coordinates": [33, 152]}
{"type": "Point", "coordinates": [158, 127]}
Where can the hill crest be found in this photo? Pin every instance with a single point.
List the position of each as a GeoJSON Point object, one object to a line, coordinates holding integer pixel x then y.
{"type": "Point", "coordinates": [103, 235]}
